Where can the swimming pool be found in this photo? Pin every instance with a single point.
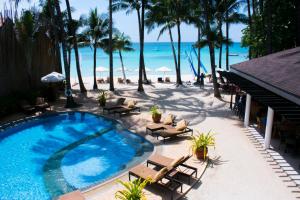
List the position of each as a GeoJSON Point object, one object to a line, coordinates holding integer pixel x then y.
{"type": "Point", "coordinates": [58, 153]}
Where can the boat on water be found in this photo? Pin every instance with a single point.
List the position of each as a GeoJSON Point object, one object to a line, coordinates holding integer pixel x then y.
{"type": "Point", "coordinates": [233, 54]}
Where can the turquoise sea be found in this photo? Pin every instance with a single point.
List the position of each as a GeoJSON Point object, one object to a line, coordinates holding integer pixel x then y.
{"type": "Point", "coordinates": [157, 54]}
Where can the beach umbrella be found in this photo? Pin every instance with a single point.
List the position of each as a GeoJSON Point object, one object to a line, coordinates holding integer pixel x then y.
{"type": "Point", "coordinates": [101, 69]}
{"type": "Point", "coordinates": [53, 77]}
{"type": "Point", "coordinates": [163, 70]}
{"type": "Point", "coordinates": [146, 68]}
{"type": "Point", "coordinates": [125, 69]}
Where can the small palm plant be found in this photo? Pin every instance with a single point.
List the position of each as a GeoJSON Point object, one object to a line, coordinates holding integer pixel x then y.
{"type": "Point", "coordinates": [156, 114]}
{"type": "Point", "coordinates": [102, 98]}
{"type": "Point", "coordinates": [200, 144]}
{"type": "Point", "coordinates": [133, 190]}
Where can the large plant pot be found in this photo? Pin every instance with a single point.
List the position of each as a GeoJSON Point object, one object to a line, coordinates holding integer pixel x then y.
{"type": "Point", "coordinates": [156, 118]}
{"type": "Point", "coordinates": [200, 153]}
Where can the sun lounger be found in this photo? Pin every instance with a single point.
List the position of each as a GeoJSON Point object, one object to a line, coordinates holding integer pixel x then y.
{"type": "Point", "coordinates": [160, 80]}
{"type": "Point", "coordinates": [41, 104]}
{"type": "Point", "coordinates": [119, 103]}
{"type": "Point", "coordinates": [126, 110]}
{"type": "Point", "coordinates": [120, 80]}
{"type": "Point", "coordinates": [100, 80]}
{"type": "Point", "coordinates": [156, 177]}
{"type": "Point", "coordinates": [167, 80]}
{"type": "Point", "coordinates": [172, 132]}
{"type": "Point", "coordinates": [163, 161]}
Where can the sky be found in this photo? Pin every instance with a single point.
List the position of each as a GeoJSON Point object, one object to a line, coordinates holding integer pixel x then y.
{"type": "Point", "coordinates": [128, 23]}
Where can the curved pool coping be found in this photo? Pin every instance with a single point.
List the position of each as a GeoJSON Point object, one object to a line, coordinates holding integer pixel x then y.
{"type": "Point", "coordinates": [18, 122]}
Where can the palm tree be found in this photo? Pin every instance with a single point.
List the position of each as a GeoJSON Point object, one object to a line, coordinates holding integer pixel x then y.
{"type": "Point", "coordinates": [111, 75]}
{"type": "Point", "coordinates": [72, 28]}
{"type": "Point", "coordinates": [139, 6]}
{"type": "Point", "coordinates": [232, 16]}
{"type": "Point", "coordinates": [70, 101]}
{"type": "Point", "coordinates": [168, 14]}
{"type": "Point", "coordinates": [120, 43]}
{"type": "Point", "coordinates": [210, 33]}
{"type": "Point", "coordinates": [97, 29]}
{"type": "Point", "coordinates": [123, 43]}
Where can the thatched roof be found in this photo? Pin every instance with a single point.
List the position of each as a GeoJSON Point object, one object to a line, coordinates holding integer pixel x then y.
{"type": "Point", "coordinates": [278, 72]}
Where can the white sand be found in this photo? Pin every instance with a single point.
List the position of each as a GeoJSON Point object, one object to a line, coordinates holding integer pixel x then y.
{"type": "Point", "coordinates": [238, 170]}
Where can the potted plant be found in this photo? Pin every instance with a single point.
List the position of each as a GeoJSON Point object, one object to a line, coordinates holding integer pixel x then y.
{"type": "Point", "coordinates": [133, 190]}
{"type": "Point", "coordinates": [102, 98]}
{"type": "Point", "coordinates": [156, 114]}
{"type": "Point", "coordinates": [200, 144]}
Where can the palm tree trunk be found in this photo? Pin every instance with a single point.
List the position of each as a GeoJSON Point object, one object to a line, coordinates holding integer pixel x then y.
{"type": "Point", "coordinates": [211, 50]}
{"type": "Point", "coordinates": [143, 34]}
{"type": "Point", "coordinates": [111, 64]}
{"type": "Point", "coordinates": [173, 47]}
{"type": "Point", "coordinates": [56, 36]}
{"type": "Point", "coordinates": [81, 85]}
{"type": "Point", "coordinates": [227, 42]}
{"type": "Point", "coordinates": [254, 7]}
{"type": "Point", "coordinates": [69, 56]}
{"type": "Point", "coordinates": [95, 87]}
{"type": "Point", "coordinates": [198, 56]}
{"type": "Point", "coordinates": [178, 75]}
{"type": "Point", "coordinates": [70, 101]}
{"type": "Point", "coordinates": [140, 82]}
{"type": "Point", "coordinates": [250, 26]}
{"type": "Point", "coordinates": [221, 46]}
{"type": "Point", "coordinates": [122, 64]}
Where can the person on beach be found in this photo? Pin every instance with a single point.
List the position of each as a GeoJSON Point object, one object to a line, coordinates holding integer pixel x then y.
{"type": "Point", "coordinates": [202, 76]}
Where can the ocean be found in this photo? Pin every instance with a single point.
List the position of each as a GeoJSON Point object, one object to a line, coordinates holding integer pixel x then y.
{"type": "Point", "coordinates": [157, 54]}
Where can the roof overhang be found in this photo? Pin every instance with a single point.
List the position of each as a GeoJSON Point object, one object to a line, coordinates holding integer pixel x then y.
{"type": "Point", "coordinates": [267, 86]}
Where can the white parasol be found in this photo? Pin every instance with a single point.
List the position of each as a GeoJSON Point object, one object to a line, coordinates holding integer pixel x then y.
{"type": "Point", "coordinates": [53, 77]}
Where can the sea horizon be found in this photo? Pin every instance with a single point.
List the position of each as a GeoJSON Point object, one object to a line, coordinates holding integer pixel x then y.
{"type": "Point", "coordinates": [156, 54]}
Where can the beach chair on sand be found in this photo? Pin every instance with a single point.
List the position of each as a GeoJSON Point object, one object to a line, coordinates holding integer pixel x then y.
{"type": "Point", "coordinates": [160, 80]}
{"type": "Point", "coordinates": [178, 164]}
{"type": "Point", "coordinates": [128, 81]}
{"type": "Point", "coordinates": [100, 80]}
{"type": "Point", "coordinates": [120, 80]}
{"type": "Point", "coordinates": [170, 131]}
{"type": "Point", "coordinates": [131, 106]}
{"type": "Point", "coordinates": [41, 104]}
{"type": "Point", "coordinates": [167, 80]}
{"type": "Point", "coordinates": [118, 104]}
{"type": "Point", "coordinates": [168, 122]}
{"type": "Point", "coordinates": [159, 178]}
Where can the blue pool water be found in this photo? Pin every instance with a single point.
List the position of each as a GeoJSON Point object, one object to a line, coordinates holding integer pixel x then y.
{"type": "Point", "coordinates": [55, 154]}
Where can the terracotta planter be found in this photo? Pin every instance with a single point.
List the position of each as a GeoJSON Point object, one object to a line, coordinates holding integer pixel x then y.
{"type": "Point", "coordinates": [200, 153]}
{"type": "Point", "coordinates": [156, 118]}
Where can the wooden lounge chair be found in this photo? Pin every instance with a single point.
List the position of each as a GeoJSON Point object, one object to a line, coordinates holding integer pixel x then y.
{"type": "Point", "coordinates": [119, 103]}
{"type": "Point", "coordinates": [150, 128]}
{"type": "Point", "coordinates": [126, 110]}
{"type": "Point", "coordinates": [156, 177]}
{"type": "Point", "coordinates": [41, 104]}
{"type": "Point", "coordinates": [100, 80]}
{"type": "Point", "coordinates": [120, 80]}
{"type": "Point", "coordinates": [172, 132]}
{"type": "Point", "coordinates": [163, 161]}
{"type": "Point", "coordinates": [160, 80]}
